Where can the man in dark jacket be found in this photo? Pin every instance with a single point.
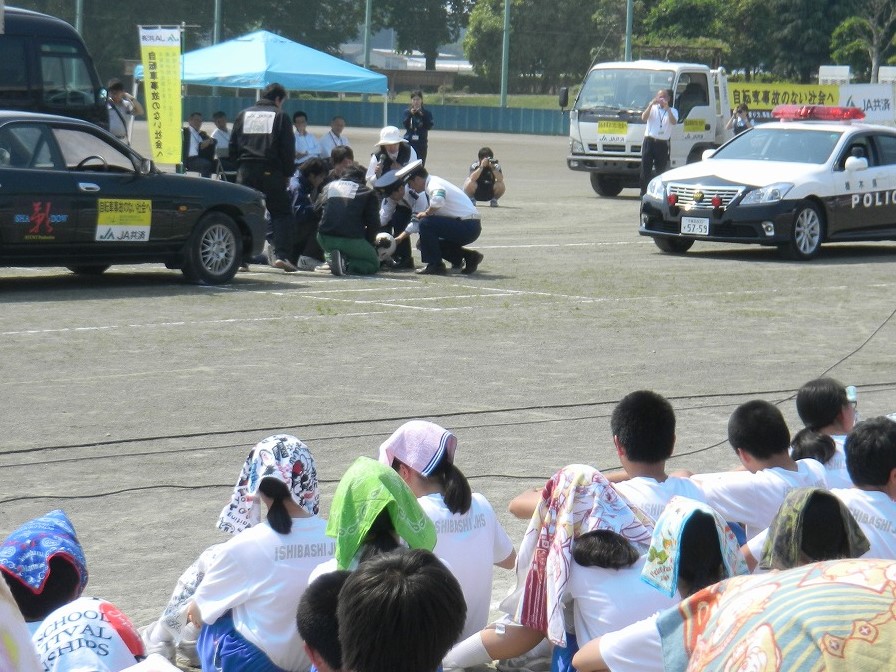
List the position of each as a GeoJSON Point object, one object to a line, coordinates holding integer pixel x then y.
{"type": "Point", "coordinates": [348, 224]}
{"type": "Point", "coordinates": [262, 142]}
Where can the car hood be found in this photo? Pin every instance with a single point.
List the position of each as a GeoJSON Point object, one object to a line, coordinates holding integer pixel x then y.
{"type": "Point", "coordinates": [749, 173]}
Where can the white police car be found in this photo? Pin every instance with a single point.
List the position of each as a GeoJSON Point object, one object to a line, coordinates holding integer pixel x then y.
{"type": "Point", "coordinates": [816, 176]}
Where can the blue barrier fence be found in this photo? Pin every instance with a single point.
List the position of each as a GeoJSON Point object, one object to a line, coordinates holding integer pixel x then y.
{"type": "Point", "coordinates": [370, 114]}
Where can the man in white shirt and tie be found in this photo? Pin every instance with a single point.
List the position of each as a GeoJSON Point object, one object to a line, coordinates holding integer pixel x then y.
{"type": "Point", "coordinates": [660, 117]}
{"type": "Point", "coordinates": [333, 138]}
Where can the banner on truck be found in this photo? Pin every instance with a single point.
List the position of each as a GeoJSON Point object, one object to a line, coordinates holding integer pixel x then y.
{"type": "Point", "coordinates": [762, 97]}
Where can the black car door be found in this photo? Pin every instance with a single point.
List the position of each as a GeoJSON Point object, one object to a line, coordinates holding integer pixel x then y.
{"type": "Point", "coordinates": [38, 212]}
{"type": "Point", "coordinates": [120, 211]}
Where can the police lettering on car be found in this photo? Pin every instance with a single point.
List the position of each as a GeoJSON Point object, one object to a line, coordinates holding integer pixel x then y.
{"type": "Point", "coordinates": [817, 175]}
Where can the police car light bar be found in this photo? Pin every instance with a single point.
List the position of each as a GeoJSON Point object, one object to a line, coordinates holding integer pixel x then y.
{"type": "Point", "coordinates": [816, 113]}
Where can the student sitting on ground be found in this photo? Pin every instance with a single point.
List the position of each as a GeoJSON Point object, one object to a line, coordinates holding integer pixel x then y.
{"type": "Point", "coordinates": [871, 462]}
{"type": "Point", "coordinates": [279, 458]}
{"type": "Point", "coordinates": [811, 525]}
{"type": "Point", "coordinates": [812, 444]}
{"type": "Point", "coordinates": [373, 512]}
{"type": "Point", "coordinates": [823, 405]}
{"type": "Point", "coordinates": [691, 548]}
{"type": "Point", "coordinates": [400, 612]}
{"type": "Point", "coordinates": [758, 433]}
{"type": "Point", "coordinates": [470, 540]}
{"type": "Point", "coordinates": [575, 503]}
{"type": "Point", "coordinates": [88, 635]}
{"type": "Point", "coordinates": [246, 603]}
{"type": "Point", "coordinates": [318, 623]}
{"type": "Point", "coordinates": [44, 565]}
{"type": "Point", "coordinates": [643, 426]}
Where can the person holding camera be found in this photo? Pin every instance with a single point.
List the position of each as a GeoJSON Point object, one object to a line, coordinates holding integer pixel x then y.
{"type": "Point", "coordinates": [486, 180]}
{"type": "Point", "coordinates": [740, 121]}
{"type": "Point", "coordinates": [417, 122]}
{"type": "Point", "coordinates": [660, 117]}
{"type": "Point", "coordinates": [121, 106]}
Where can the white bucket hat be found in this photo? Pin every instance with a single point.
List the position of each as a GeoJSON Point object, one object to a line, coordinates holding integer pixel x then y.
{"type": "Point", "coordinates": [390, 135]}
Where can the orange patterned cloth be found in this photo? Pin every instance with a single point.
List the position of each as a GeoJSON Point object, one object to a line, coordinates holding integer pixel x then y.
{"type": "Point", "coordinates": [838, 616]}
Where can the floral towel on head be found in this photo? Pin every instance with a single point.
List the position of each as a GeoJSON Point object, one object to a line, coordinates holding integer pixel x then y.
{"type": "Point", "coordinates": [26, 553]}
{"type": "Point", "coordinates": [577, 499]}
{"type": "Point", "coordinates": [783, 545]}
{"type": "Point", "coordinates": [661, 568]}
{"type": "Point", "coordinates": [284, 458]}
{"type": "Point", "coordinates": [836, 616]}
{"type": "Point", "coordinates": [365, 490]}
{"type": "Point", "coordinates": [16, 651]}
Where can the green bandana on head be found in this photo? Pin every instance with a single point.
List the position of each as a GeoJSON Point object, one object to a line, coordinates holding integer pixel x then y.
{"type": "Point", "coordinates": [365, 490]}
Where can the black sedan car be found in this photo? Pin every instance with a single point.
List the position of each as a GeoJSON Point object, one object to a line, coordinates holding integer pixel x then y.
{"type": "Point", "coordinates": [72, 195]}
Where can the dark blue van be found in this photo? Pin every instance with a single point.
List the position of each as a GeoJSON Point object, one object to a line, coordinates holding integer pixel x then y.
{"type": "Point", "coordinates": [45, 67]}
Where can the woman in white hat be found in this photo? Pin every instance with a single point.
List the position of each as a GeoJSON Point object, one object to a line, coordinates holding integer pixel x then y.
{"type": "Point", "coordinates": [391, 153]}
{"type": "Point", "coordinates": [469, 538]}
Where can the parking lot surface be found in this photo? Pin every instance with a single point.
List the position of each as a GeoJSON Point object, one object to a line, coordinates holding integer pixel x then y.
{"type": "Point", "coordinates": [131, 399]}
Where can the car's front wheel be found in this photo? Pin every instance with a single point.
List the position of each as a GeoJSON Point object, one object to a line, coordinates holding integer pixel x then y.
{"type": "Point", "coordinates": [674, 245]}
{"type": "Point", "coordinates": [806, 234]}
{"type": "Point", "coordinates": [605, 185]}
{"type": "Point", "coordinates": [97, 269]}
{"type": "Point", "coordinates": [214, 251]}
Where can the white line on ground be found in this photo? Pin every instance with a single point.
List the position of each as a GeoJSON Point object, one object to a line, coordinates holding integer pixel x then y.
{"type": "Point", "coordinates": [486, 293]}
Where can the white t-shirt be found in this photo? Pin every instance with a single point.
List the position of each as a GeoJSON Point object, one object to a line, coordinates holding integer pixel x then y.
{"type": "Point", "coordinates": [469, 544]}
{"type": "Point", "coordinates": [651, 496]}
{"type": "Point", "coordinates": [261, 576]}
{"type": "Point", "coordinates": [754, 499]}
{"type": "Point", "coordinates": [635, 648]}
{"type": "Point", "coordinates": [605, 600]}
{"type": "Point", "coordinates": [875, 513]}
{"type": "Point", "coordinates": [838, 475]}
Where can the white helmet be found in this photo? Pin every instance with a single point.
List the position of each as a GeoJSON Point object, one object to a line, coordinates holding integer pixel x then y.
{"type": "Point", "coordinates": [385, 245]}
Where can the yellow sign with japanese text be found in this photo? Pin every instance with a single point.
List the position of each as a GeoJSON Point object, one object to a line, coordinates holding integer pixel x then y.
{"type": "Point", "coordinates": [612, 128]}
{"type": "Point", "coordinates": [160, 51]}
{"type": "Point", "coordinates": [123, 219]}
{"type": "Point", "coordinates": [762, 97]}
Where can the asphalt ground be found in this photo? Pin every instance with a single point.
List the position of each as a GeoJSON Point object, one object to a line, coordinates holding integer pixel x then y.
{"type": "Point", "coordinates": [130, 400]}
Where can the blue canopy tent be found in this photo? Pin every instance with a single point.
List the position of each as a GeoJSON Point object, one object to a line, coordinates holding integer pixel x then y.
{"type": "Point", "coordinates": [255, 60]}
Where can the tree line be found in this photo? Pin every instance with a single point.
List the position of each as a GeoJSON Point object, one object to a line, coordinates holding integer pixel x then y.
{"type": "Point", "coordinates": [551, 43]}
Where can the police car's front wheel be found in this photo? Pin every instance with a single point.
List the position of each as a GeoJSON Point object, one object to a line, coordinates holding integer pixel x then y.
{"type": "Point", "coordinates": [806, 234]}
{"type": "Point", "coordinates": [674, 245]}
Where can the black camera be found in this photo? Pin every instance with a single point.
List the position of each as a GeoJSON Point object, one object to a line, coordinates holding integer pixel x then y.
{"type": "Point", "coordinates": [494, 162]}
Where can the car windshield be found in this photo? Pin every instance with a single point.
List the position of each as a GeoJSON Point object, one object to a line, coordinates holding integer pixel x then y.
{"type": "Point", "coordinates": [621, 89]}
{"type": "Point", "coordinates": [797, 145]}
